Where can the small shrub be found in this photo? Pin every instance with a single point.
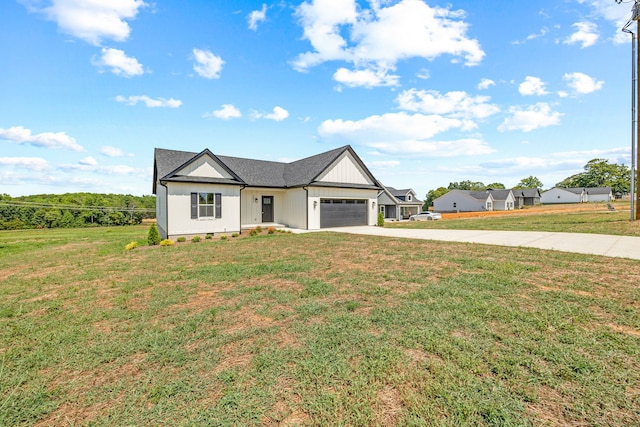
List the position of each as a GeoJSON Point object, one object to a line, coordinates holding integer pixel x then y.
{"type": "Point", "coordinates": [166, 242]}
{"type": "Point", "coordinates": [181, 239]}
{"type": "Point", "coordinates": [380, 219]}
{"type": "Point", "coordinates": [223, 237]}
{"type": "Point", "coordinates": [235, 235]}
{"type": "Point", "coordinates": [253, 232]}
{"type": "Point", "coordinates": [195, 239]}
{"type": "Point", "coordinates": [130, 246]}
{"type": "Point", "coordinates": [208, 236]}
{"type": "Point", "coordinates": [271, 230]}
{"type": "Point", "coordinates": [259, 229]}
{"type": "Point", "coordinates": [154, 236]}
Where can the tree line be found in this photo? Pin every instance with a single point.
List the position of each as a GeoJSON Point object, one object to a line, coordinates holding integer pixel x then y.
{"type": "Point", "coordinates": [597, 173]}
{"type": "Point", "coordinates": [74, 210]}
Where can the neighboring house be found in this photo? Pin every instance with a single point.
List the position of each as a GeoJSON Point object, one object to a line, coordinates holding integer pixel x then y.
{"type": "Point", "coordinates": [598, 194]}
{"type": "Point", "coordinates": [526, 197]}
{"type": "Point", "coordinates": [200, 193]}
{"type": "Point", "coordinates": [503, 200]}
{"type": "Point", "coordinates": [398, 204]}
{"type": "Point", "coordinates": [576, 195]}
{"type": "Point", "coordinates": [464, 201]}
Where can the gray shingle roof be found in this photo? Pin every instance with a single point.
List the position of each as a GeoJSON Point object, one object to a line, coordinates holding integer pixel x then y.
{"type": "Point", "coordinates": [402, 193]}
{"type": "Point", "coordinates": [480, 195]}
{"type": "Point", "coordinates": [530, 192]}
{"type": "Point", "coordinates": [255, 173]}
{"type": "Point", "coordinates": [588, 190]}
{"type": "Point", "coordinates": [499, 194]}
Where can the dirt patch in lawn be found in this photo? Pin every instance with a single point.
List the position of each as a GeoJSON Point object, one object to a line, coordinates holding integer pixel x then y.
{"type": "Point", "coordinates": [532, 210]}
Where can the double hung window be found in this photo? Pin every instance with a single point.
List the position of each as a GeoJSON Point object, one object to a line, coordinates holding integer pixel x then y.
{"type": "Point", "coordinates": [206, 205]}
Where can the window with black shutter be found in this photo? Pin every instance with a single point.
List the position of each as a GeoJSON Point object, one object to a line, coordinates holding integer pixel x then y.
{"type": "Point", "coordinates": [218, 205]}
{"type": "Point", "coordinates": [206, 205]}
{"type": "Point", "coordinates": [194, 205]}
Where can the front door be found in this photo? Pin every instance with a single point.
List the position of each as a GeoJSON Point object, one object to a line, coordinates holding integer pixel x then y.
{"type": "Point", "coordinates": [267, 208]}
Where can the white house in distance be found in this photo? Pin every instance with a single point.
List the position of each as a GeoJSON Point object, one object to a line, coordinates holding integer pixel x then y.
{"type": "Point", "coordinates": [503, 200]}
{"type": "Point", "coordinates": [576, 195]}
{"type": "Point", "coordinates": [398, 204]}
{"type": "Point", "coordinates": [464, 201]}
{"type": "Point", "coordinates": [203, 193]}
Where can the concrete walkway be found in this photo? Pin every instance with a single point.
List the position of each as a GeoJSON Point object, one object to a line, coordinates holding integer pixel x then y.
{"type": "Point", "coordinates": [594, 244]}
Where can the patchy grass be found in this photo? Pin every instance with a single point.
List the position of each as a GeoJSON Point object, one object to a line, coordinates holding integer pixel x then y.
{"type": "Point", "coordinates": [313, 329]}
{"type": "Point", "coordinates": [600, 221]}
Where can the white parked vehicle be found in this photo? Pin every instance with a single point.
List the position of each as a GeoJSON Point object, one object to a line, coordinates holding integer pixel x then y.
{"type": "Point", "coordinates": [425, 216]}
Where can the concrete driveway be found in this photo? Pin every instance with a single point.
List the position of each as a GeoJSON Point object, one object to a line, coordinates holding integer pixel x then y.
{"type": "Point", "coordinates": [593, 244]}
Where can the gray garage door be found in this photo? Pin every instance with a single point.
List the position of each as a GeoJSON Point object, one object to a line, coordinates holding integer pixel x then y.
{"type": "Point", "coordinates": [342, 212]}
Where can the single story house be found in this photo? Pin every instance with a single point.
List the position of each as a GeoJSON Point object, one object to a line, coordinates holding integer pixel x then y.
{"type": "Point", "coordinates": [526, 197]}
{"type": "Point", "coordinates": [464, 201]}
{"type": "Point", "coordinates": [503, 200]}
{"type": "Point", "coordinates": [577, 195]}
{"type": "Point", "coordinates": [203, 193]}
{"type": "Point", "coordinates": [398, 204]}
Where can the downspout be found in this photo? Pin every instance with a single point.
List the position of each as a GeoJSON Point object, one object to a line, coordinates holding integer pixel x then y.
{"type": "Point", "coordinates": [240, 208]}
{"type": "Point", "coordinates": [306, 189]}
{"type": "Point", "coordinates": [166, 207]}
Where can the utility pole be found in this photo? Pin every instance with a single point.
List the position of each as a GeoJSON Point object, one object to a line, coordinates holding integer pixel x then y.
{"type": "Point", "coordinates": [635, 96]}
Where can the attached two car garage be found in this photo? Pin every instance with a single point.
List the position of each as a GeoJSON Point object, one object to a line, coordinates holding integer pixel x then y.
{"type": "Point", "coordinates": [343, 212]}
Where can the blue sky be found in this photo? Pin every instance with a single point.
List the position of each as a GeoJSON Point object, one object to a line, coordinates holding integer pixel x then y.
{"type": "Point", "coordinates": [426, 92]}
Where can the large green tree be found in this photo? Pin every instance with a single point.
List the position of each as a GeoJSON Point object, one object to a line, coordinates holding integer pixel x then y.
{"type": "Point", "coordinates": [432, 195]}
{"type": "Point", "coordinates": [495, 186]}
{"type": "Point", "coordinates": [467, 185]}
{"type": "Point", "coordinates": [530, 182]}
{"type": "Point", "coordinates": [601, 173]}
{"type": "Point", "coordinates": [74, 210]}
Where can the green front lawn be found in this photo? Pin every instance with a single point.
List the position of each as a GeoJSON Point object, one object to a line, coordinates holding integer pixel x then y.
{"type": "Point", "coordinates": [313, 329]}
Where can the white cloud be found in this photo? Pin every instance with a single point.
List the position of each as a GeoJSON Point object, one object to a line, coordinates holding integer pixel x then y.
{"type": "Point", "coordinates": [381, 36]}
{"type": "Point", "coordinates": [46, 139]}
{"type": "Point", "coordinates": [365, 78]}
{"type": "Point", "coordinates": [91, 21]}
{"type": "Point", "coordinates": [615, 13]}
{"type": "Point", "coordinates": [403, 133]}
{"type": "Point", "coordinates": [532, 86]}
{"type": "Point", "coordinates": [119, 63]}
{"type": "Point", "coordinates": [486, 84]}
{"type": "Point", "coordinates": [582, 83]}
{"type": "Point", "coordinates": [423, 74]}
{"type": "Point", "coordinates": [110, 151]}
{"type": "Point", "coordinates": [32, 163]}
{"type": "Point", "coordinates": [86, 165]}
{"type": "Point", "coordinates": [586, 34]}
{"type": "Point", "coordinates": [149, 102]}
{"type": "Point", "coordinates": [88, 161]}
{"type": "Point", "coordinates": [533, 36]}
{"type": "Point", "coordinates": [257, 16]}
{"type": "Point", "coordinates": [227, 112]}
{"type": "Point", "coordinates": [278, 114]}
{"type": "Point", "coordinates": [207, 64]}
{"type": "Point", "coordinates": [534, 117]}
{"type": "Point", "coordinates": [455, 104]}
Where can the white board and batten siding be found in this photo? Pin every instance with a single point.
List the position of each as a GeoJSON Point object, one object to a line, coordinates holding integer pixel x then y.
{"type": "Point", "coordinates": [460, 201]}
{"type": "Point", "coordinates": [161, 213]}
{"type": "Point", "coordinates": [318, 193]}
{"type": "Point", "coordinates": [205, 167]}
{"type": "Point", "coordinates": [179, 218]}
{"type": "Point", "coordinates": [177, 198]}
{"type": "Point", "coordinates": [559, 195]}
{"type": "Point", "coordinates": [345, 170]}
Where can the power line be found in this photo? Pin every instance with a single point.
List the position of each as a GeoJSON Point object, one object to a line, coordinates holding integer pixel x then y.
{"type": "Point", "coordinates": [15, 203]}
